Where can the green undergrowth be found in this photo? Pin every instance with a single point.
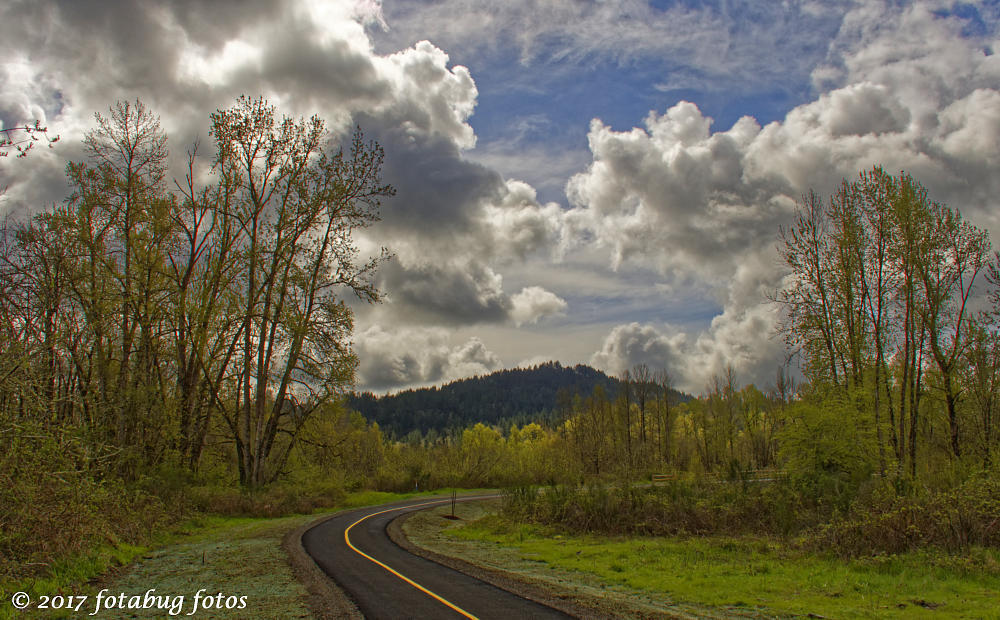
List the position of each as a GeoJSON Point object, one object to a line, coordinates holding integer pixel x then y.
{"type": "Point", "coordinates": [761, 575]}
{"type": "Point", "coordinates": [229, 554]}
{"type": "Point", "coordinates": [881, 516]}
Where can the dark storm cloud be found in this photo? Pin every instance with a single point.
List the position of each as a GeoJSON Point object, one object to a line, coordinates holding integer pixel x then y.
{"type": "Point", "coordinates": [297, 65]}
{"type": "Point", "coordinates": [450, 295]}
{"type": "Point", "coordinates": [439, 194]}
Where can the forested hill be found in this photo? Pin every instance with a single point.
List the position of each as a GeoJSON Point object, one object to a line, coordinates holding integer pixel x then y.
{"type": "Point", "coordinates": [518, 395]}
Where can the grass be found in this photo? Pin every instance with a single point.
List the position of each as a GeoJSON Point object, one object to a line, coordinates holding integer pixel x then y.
{"type": "Point", "coordinates": [242, 558]}
{"type": "Point", "coordinates": [760, 576]}
{"type": "Point", "coordinates": [238, 556]}
{"type": "Point", "coordinates": [232, 555]}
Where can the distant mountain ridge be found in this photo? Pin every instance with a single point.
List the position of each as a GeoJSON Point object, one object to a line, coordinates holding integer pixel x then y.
{"type": "Point", "coordinates": [512, 396]}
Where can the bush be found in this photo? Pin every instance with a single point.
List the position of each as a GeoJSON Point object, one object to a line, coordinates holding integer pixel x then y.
{"type": "Point", "coordinates": [276, 500]}
{"type": "Point", "coordinates": [678, 508]}
{"type": "Point", "coordinates": [52, 505]}
{"type": "Point", "coordinates": [828, 449]}
{"type": "Point", "coordinates": [57, 502]}
{"type": "Point", "coordinates": [891, 521]}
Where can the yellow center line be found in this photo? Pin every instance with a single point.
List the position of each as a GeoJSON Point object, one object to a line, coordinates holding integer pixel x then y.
{"type": "Point", "coordinates": [413, 583]}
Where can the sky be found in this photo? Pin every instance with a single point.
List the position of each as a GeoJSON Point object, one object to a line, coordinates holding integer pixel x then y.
{"type": "Point", "coordinates": [577, 180]}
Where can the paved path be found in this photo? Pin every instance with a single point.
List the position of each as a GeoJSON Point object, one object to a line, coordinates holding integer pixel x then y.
{"type": "Point", "coordinates": [385, 581]}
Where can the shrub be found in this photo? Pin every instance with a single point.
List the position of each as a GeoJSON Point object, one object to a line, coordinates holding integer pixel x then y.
{"type": "Point", "coordinates": [678, 508]}
{"type": "Point", "coordinates": [276, 500]}
{"type": "Point", "coordinates": [892, 522]}
{"type": "Point", "coordinates": [54, 503]}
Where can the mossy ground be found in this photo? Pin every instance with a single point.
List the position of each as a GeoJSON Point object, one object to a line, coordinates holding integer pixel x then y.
{"type": "Point", "coordinates": [724, 576]}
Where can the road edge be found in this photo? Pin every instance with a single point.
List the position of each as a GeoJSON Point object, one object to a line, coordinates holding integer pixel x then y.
{"type": "Point", "coordinates": [326, 599]}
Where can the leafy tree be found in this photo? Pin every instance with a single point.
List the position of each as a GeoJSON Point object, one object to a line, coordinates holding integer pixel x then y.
{"type": "Point", "coordinates": [882, 279]}
{"type": "Point", "coordinates": [140, 313]}
{"type": "Point", "coordinates": [826, 445]}
{"type": "Point", "coordinates": [295, 205]}
{"type": "Point", "coordinates": [981, 376]}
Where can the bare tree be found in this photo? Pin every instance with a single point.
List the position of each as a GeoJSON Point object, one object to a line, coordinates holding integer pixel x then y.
{"type": "Point", "coordinates": [643, 379]}
{"type": "Point", "coordinates": [21, 139]}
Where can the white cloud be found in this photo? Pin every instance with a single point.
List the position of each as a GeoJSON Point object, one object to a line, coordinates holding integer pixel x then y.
{"type": "Point", "coordinates": [453, 222]}
{"type": "Point", "coordinates": [423, 356]}
{"type": "Point", "coordinates": [534, 303]}
{"type": "Point", "coordinates": [899, 85]}
{"type": "Point", "coordinates": [909, 93]}
{"type": "Point", "coordinates": [196, 64]}
{"type": "Point", "coordinates": [429, 97]}
{"type": "Point", "coordinates": [631, 344]}
{"type": "Point", "coordinates": [520, 226]}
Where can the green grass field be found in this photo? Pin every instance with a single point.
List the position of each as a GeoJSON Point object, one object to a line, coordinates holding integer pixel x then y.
{"type": "Point", "coordinates": [762, 576]}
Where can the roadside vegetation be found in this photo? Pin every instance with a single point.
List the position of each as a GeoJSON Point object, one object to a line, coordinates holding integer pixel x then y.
{"type": "Point", "coordinates": [235, 553]}
{"type": "Point", "coordinates": [737, 576]}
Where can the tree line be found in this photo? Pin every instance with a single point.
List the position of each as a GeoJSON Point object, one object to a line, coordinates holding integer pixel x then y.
{"type": "Point", "coordinates": [634, 428]}
{"type": "Point", "coordinates": [146, 318]}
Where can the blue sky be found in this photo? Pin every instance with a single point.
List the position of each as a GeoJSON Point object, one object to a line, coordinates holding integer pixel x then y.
{"type": "Point", "coordinates": [542, 92]}
{"type": "Point", "coordinates": [580, 180]}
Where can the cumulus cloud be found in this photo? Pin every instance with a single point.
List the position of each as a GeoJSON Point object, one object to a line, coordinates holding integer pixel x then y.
{"type": "Point", "coordinates": [534, 303]}
{"type": "Point", "coordinates": [632, 344]}
{"type": "Point", "coordinates": [908, 85]}
{"type": "Point", "coordinates": [419, 356]}
{"type": "Point", "coordinates": [906, 91]}
{"type": "Point", "coordinates": [186, 59]}
{"type": "Point", "coordinates": [520, 226]}
{"type": "Point", "coordinates": [453, 222]}
{"type": "Point", "coordinates": [445, 272]}
{"type": "Point", "coordinates": [455, 293]}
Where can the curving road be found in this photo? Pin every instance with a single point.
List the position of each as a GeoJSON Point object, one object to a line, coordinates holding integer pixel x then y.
{"type": "Point", "coordinates": [385, 581]}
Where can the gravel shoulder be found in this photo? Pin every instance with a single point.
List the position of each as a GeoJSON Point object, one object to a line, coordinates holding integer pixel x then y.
{"type": "Point", "coordinates": [325, 599]}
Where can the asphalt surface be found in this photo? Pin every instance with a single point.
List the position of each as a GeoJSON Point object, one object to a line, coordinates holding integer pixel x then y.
{"type": "Point", "coordinates": [379, 593]}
